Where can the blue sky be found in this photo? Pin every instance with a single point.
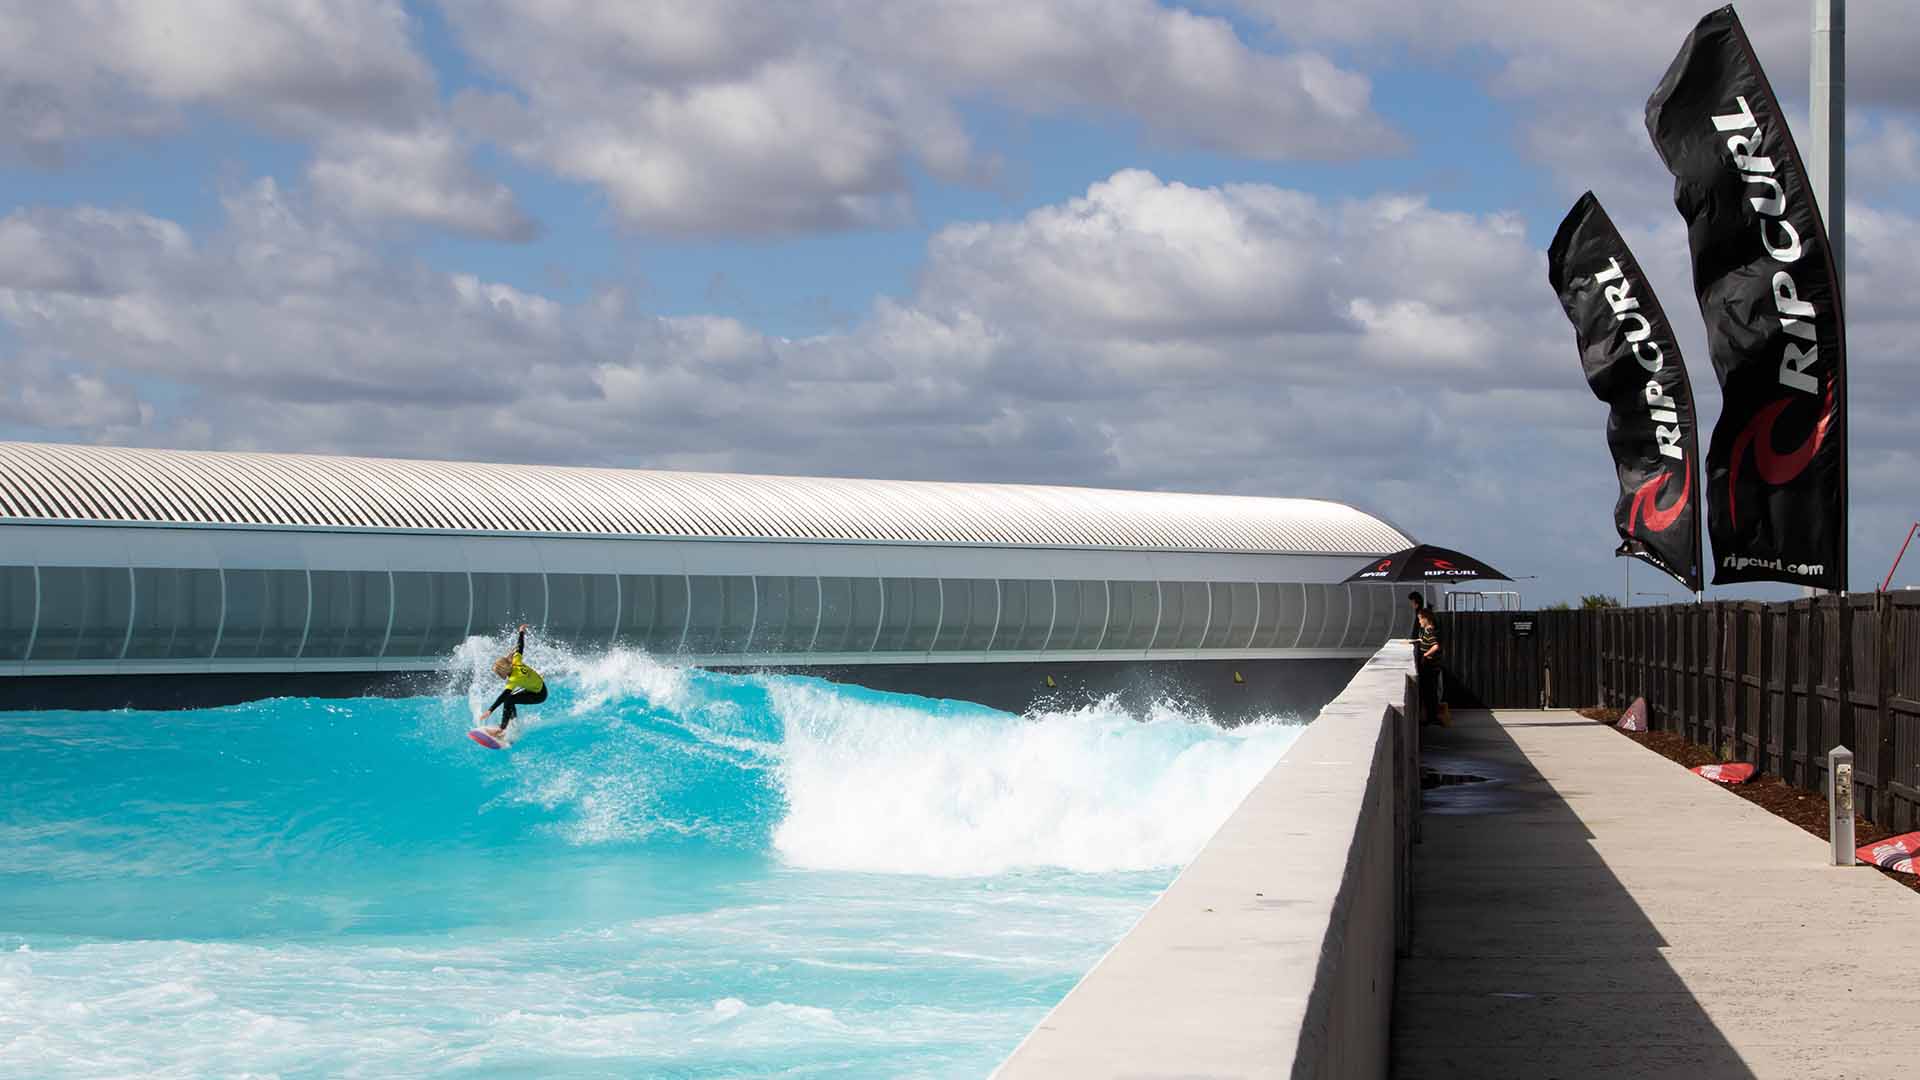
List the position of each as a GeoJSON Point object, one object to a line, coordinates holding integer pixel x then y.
{"type": "Point", "coordinates": [1260, 247]}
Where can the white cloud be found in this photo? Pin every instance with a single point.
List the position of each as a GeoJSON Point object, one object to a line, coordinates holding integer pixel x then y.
{"type": "Point", "coordinates": [1406, 358]}
{"type": "Point", "coordinates": [51, 402]}
{"type": "Point", "coordinates": [1883, 157]}
{"type": "Point", "coordinates": [298, 65]}
{"type": "Point", "coordinates": [420, 176]}
{"type": "Point", "coordinates": [1137, 283]}
{"type": "Point", "coordinates": [344, 75]}
{"type": "Point", "coordinates": [1163, 274]}
{"type": "Point", "coordinates": [1579, 73]}
{"type": "Point", "coordinates": [1188, 77]}
{"type": "Point", "coordinates": [797, 149]}
{"type": "Point", "coordinates": [1607, 51]}
{"type": "Point", "coordinates": [1021, 356]}
{"type": "Point", "coordinates": [744, 118]}
{"type": "Point", "coordinates": [693, 118]}
{"type": "Point", "coordinates": [1136, 257]}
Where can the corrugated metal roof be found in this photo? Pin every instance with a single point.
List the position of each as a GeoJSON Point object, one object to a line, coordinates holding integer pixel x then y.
{"type": "Point", "coordinates": [69, 483]}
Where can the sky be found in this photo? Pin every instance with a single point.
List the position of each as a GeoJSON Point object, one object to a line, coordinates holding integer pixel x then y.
{"type": "Point", "coordinates": [1266, 247]}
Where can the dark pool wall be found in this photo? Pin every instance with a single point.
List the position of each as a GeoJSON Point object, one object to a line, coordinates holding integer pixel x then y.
{"type": "Point", "coordinates": [1263, 687]}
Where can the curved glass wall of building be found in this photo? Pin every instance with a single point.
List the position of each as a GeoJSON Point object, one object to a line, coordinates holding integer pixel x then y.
{"type": "Point", "coordinates": [56, 614]}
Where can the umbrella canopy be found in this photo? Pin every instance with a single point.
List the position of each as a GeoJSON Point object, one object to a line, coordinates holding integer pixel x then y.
{"type": "Point", "coordinates": [1428, 564]}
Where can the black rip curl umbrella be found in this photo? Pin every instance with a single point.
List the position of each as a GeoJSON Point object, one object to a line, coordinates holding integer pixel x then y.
{"type": "Point", "coordinates": [1427, 564]}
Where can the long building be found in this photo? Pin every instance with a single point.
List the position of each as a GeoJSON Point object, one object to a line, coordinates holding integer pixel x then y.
{"type": "Point", "coordinates": [118, 562]}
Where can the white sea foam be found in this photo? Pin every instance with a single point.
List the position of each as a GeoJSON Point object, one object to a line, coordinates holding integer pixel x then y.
{"type": "Point", "coordinates": [888, 788]}
{"type": "Point", "coordinates": [880, 783]}
{"type": "Point", "coordinates": [692, 998]}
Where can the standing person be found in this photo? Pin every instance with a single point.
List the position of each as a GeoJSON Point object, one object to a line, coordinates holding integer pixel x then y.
{"type": "Point", "coordinates": [524, 686]}
{"type": "Point", "coordinates": [1418, 602]}
{"type": "Point", "coordinates": [1427, 651]}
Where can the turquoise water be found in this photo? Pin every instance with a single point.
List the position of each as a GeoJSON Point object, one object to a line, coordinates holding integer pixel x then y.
{"type": "Point", "coordinates": [671, 873]}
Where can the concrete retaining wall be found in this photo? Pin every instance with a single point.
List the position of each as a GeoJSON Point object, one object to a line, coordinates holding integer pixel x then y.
{"type": "Point", "coordinates": [1273, 952]}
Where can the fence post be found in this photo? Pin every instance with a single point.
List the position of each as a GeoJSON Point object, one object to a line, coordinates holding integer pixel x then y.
{"type": "Point", "coordinates": [1608, 684]}
{"type": "Point", "coordinates": [1642, 656]}
{"type": "Point", "coordinates": [1690, 666]}
{"type": "Point", "coordinates": [1622, 648]}
{"type": "Point", "coordinates": [1780, 645]}
{"type": "Point", "coordinates": [1740, 721]}
{"type": "Point", "coordinates": [1883, 766]}
{"type": "Point", "coordinates": [1714, 662]}
{"type": "Point", "coordinates": [1596, 679]}
{"type": "Point", "coordinates": [1743, 719]}
{"type": "Point", "coordinates": [1716, 685]}
{"type": "Point", "coordinates": [1708, 725]}
{"type": "Point", "coordinates": [1818, 679]}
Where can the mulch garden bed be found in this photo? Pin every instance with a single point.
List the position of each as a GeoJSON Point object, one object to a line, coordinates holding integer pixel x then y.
{"type": "Point", "coordinates": [1807, 809]}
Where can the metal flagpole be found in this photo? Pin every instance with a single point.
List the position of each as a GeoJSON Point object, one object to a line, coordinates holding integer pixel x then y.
{"type": "Point", "coordinates": [1828, 166]}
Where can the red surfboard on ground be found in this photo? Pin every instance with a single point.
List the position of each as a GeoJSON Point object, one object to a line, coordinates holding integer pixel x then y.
{"type": "Point", "coordinates": [1896, 853]}
{"type": "Point", "coordinates": [1738, 772]}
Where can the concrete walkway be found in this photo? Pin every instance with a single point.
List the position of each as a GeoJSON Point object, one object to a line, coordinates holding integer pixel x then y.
{"type": "Point", "coordinates": [1598, 911]}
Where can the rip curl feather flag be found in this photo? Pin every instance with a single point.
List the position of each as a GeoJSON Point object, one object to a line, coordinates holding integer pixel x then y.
{"type": "Point", "coordinates": [1764, 274]}
{"type": "Point", "coordinates": [1633, 363]}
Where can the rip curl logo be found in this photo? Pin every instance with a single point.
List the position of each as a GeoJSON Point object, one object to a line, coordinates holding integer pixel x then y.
{"type": "Point", "coordinates": [1896, 854]}
{"type": "Point", "coordinates": [1646, 504]}
{"type": "Point", "coordinates": [1748, 562]}
{"type": "Point", "coordinates": [1442, 564]}
{"type": "Point", "coordinates": [1775, 468]}
{"type": "Point", "coordinates": [1384, 563]}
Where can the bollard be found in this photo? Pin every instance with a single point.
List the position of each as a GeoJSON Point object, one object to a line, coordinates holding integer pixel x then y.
{"type": "Point", "coordinates": [1840, 804]}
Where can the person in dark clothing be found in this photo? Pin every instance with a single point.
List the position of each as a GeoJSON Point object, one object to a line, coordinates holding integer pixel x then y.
{"type": "Point", "coordinates": [1418, 602]}
{"type": "Point", "coordinates": [524, 686]}
{"type": "Point", "coordinates": [1427, 652]}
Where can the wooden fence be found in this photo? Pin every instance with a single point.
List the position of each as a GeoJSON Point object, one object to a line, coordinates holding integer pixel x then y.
{"type": "Point", "coordinates": [1774, 684]}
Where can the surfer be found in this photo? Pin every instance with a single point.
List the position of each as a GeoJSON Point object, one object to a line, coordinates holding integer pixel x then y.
{"type": "Point", "coordinates": [524, 686]}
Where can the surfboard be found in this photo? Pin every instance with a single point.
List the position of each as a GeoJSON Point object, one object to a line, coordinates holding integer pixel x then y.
{"type": "Point", "coordinates": [486, 740]}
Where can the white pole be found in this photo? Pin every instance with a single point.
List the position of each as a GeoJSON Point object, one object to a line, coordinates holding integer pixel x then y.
{"type": "Point", "coordinates": [1827, 104]}
{"type": "Point", "coordinates": [1840, 805]}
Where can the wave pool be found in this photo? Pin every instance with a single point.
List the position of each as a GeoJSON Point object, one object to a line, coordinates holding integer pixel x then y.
{"type": "Point", "coordinates": [672, 873]}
